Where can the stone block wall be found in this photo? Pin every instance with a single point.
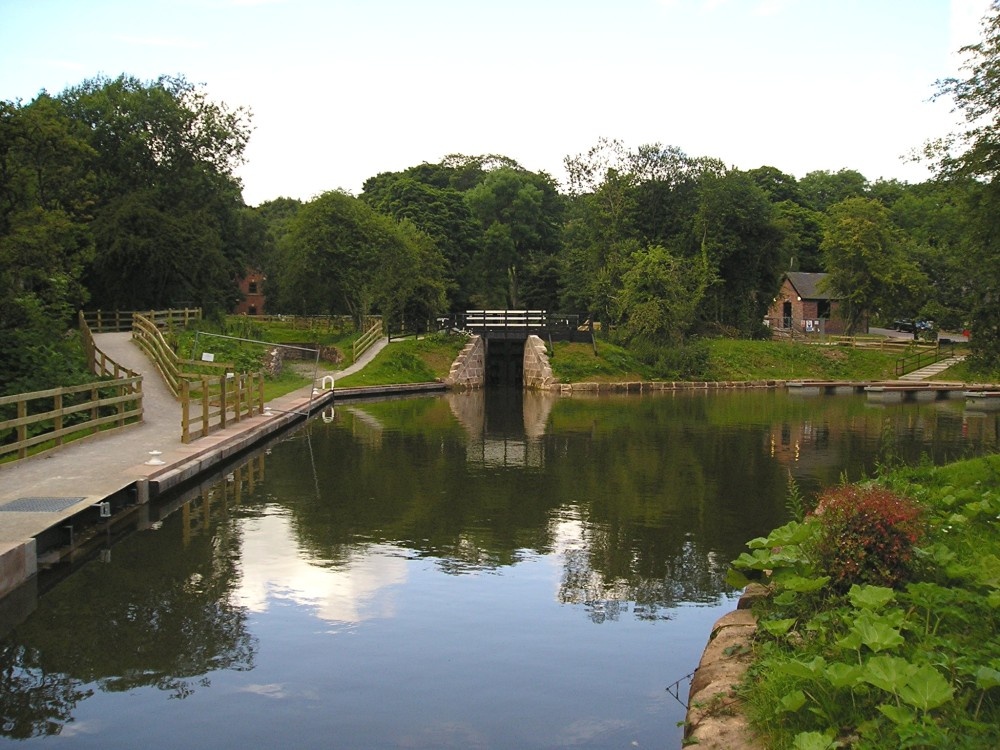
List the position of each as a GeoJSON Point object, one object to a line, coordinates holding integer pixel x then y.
{"type": "Point", "coordinates": [537, 373]}
{"type": "Point", "coordinates": [469, 368]}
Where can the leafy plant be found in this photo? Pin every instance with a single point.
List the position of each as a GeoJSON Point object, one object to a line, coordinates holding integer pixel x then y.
{"type": "Point", "coordinates": [868, 535]}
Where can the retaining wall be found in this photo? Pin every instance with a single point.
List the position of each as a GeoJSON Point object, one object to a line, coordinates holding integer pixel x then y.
{"type": "Point", "coordinates": [469, 368]}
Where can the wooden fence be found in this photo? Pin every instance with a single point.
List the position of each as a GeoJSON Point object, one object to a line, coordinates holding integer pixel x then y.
{"type": "Point", "coordinates": [46, 419]}
{"type": "Point", "coordinates": [110, 321]}
{"type": "Point", "coordinates": [147, 334]}
{"type": "Point", "coordinates": [373, 333]}
{"type": "Point", "coordinates": [212, 394]}
{"type": "Point", "coordinates": [212, 402]}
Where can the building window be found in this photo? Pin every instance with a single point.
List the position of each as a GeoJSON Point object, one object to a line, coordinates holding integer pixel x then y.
{"type": "Point", "coordinates": [823, 309]}
{"type": "Point", "coordinates": [252, 287]}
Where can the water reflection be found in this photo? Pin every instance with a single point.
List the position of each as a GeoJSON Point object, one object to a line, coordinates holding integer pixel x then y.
{"type": "Point", "coordinates": [504, 555]}
{"type": "Point", "coordinates": [153, 614]}
{"type": "Point", "coordinates": [357, 588]}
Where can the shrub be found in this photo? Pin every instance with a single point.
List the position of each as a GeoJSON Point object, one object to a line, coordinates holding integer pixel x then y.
{"type": "Point", "coordinates": [867, 535]}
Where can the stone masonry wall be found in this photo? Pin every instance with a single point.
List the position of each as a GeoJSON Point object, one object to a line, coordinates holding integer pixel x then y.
{"type": "Point", "coordinates": [469, 368]}
{"type": "Point", "coordinates": [537, 373]}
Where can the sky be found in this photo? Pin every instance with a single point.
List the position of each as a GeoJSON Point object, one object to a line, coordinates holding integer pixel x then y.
{"type": "Point", "coordinates": [342, 90]}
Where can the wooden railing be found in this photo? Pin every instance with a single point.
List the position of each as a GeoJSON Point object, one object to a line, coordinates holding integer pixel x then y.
{"type": "Point", "coordinates": [110, 321]}
{"type": "Point", "coordinates": [212, 395]}
{"type": "Point", "coordinates": [366, 339]}
{"type": "Point", "coordinates": [147, 334]}
{"type": "Point", "coordinates": [98, 362]}
{"type": "Point", "coordinates": [212, 402]}
{"type": "Point", "coordinates": [45, 419]}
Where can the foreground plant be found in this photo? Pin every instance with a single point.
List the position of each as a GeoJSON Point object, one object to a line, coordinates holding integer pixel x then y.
{"type": "Point", "coordinates": [881, 628]}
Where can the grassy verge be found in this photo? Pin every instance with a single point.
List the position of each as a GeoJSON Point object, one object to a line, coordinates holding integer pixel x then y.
{"type": "Point", "coordinates": [411, 361]}
{"type": "Point", "coordinates": [882, 634]}
{"type": "Point", "coordinates": [722, 359]}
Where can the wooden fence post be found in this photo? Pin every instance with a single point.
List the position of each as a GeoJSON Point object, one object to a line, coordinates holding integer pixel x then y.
{"type": "Point", "coordinates": [223, 402]}
{"type": "Point", "coordinates": [22, 429]}
{"type": "Point", "coordinates": [204, 405]}
{"type": "Point", "coordinates": [57, 423]}
{"type": "Point", "coordinates": [185, 411]}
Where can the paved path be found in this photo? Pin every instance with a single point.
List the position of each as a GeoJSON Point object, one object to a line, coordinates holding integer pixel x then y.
{"type": "Point", "coordinates": [925, 373]}
{"type": "Point", "coordinates": [99, 466]}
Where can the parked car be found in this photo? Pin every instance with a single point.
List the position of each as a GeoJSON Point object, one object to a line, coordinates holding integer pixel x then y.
{"type": "Point", "coordinates": [913, 326]}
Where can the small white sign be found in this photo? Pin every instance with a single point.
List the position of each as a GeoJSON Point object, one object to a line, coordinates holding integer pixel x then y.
{"type": "Point", "coordinates": [207, 357]}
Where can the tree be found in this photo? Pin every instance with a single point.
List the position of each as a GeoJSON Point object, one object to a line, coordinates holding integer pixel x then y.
{"type": "Point", "coordinates": [821, 189]}
{"type": "Point", "coordinates": [167, 212]}
{"type": "Point", "coordinates": [660, 296]}
{"type": "Point", "coordinates": [521, 215]}
{"type": "Point", "coordinates": [46, 194]}
{"type": "Point", "coordinates": [739, 241]}
{"type": "Point", "coordinates": [441, 213]}
{"type": "Point", "coordinates": [866, 257]}
{"type": "Point", "coordinates": [974, 152]}
{"type": "Point", "coordinates": [342, 256]}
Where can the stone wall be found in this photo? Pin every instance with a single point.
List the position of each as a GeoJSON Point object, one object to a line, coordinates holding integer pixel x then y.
{"type": "Point", "coordinates": [537, 373]}
{"type": "Point", "coordinates": [715, 716]}
{"type": "Point", "coordinates": [469, 368]}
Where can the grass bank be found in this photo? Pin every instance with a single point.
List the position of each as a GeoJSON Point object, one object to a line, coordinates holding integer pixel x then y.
{"type": "Point", "coordinates": [411, 361]}
{"type": "Point", "coordinates": [721, 359]}
{"type": "Point", "coordinates": [881, 630]}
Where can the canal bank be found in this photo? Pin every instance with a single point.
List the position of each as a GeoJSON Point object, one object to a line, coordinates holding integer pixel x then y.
{"type": "Point", "coordinates": [51, 503]}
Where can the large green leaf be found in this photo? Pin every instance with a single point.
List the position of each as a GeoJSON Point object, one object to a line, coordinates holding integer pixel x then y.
{"type": "Point", "coordinates": [890, 673]}
{"type": "Point", "coordinates": [870, 597]}
{"type": "Point", "coordinates": [926, 689]}
{"type": "Point", "coordinates": [876, 633]}
{"type": "Point", "coordinates": [814, 741]}
{"type": "Point", "coordinates": [842, 675]}
{"type": "Point", "coordinates": [897, 714]}
{"type": "Point", "coordinates": [807, 670]}
{"type": "Point", "coordinates": [801, 584]}
{"type": "Point", "coordinates": [792, 702]}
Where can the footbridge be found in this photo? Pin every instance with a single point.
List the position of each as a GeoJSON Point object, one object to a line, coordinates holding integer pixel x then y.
{"type": "Point", "coordinates": [507, 347]}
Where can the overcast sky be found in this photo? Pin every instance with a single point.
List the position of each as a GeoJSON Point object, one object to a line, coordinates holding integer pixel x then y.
{"type": "Point", "coordinates": [341, 90]}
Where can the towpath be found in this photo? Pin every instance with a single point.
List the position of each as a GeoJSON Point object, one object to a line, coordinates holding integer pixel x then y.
{"type": "Point", "coordinates": [41, 492]}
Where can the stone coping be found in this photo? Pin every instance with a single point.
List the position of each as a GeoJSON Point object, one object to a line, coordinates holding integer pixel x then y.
{"type": "Point", "coordinates": [657, 386]}
{"type": "Point", "coordinates": [715, 717]}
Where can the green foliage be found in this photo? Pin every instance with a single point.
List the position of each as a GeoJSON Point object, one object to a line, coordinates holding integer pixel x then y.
{"type": "Point", "coordinates": [577, 363]}
{"type": "Point", "coordinates": [660, 296]}
{"type": "Point", "coordinates": [167, 215]}
{"type": "Point", "coordinates": [412, 361]}
{"type": "Point", "coordinates": [868, 261]}
{"type": "Point", "coordinates": [688, 361]}
{"type": "Point", "coordinates": [917, 665]}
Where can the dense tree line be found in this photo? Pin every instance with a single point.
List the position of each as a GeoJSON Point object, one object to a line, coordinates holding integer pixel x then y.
{"type": "Point", "coordinates": [121, 193]}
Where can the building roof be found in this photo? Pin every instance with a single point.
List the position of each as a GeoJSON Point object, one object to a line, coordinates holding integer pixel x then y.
{"type": "Point", "coordinates": [807, 285]}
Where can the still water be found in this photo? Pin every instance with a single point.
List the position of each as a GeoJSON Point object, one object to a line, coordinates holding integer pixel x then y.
{"type": "Point", "coordinates": [480, 570]}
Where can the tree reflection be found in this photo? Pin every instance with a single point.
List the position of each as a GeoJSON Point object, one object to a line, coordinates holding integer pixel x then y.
{"type": "Point", "coordinates": [151, 617]}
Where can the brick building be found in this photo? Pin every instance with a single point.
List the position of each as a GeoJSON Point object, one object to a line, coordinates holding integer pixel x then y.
{"type": "Point", "coordinates": [803, 305]}
{"type": "Point", "coordinates": [252, 288]}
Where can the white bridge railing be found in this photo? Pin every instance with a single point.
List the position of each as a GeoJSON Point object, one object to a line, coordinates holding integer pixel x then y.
{"type": "Point", "coordinates": [505, 319]}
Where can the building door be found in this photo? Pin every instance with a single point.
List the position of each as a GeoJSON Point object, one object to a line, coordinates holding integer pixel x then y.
{"type": "Point", "coordinates": [786, 314]}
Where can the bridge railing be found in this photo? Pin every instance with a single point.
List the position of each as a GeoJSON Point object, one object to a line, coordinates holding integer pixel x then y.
{"type": "Point", "coordinates": [549, 325]}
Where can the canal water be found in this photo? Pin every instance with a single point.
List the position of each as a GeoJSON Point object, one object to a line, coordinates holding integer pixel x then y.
{"type": "Point", "coordinates": [476, 570]}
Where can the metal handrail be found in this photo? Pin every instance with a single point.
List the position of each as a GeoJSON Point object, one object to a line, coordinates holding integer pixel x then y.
{"type": "Point", "coordinates": [925, 358]}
